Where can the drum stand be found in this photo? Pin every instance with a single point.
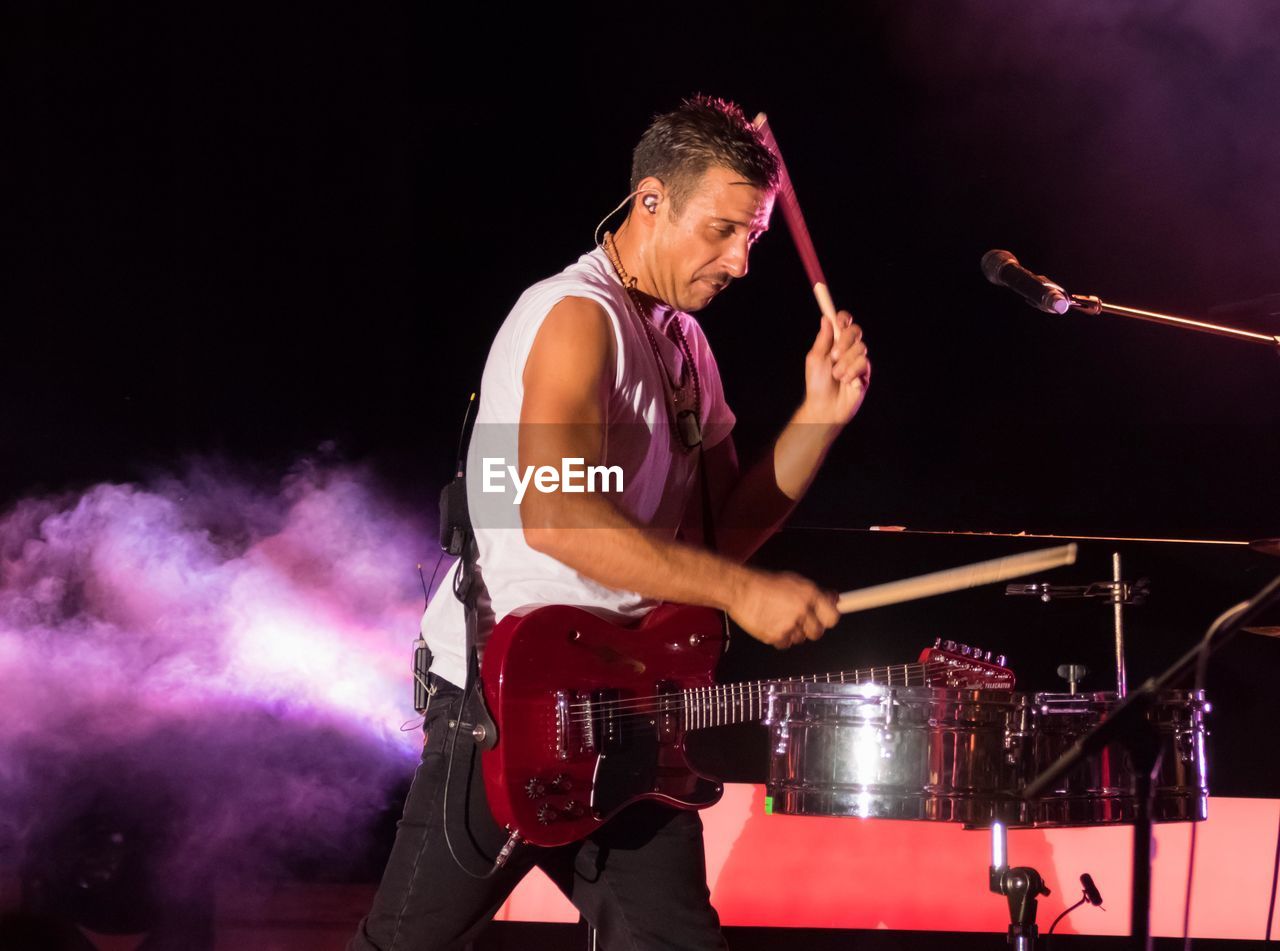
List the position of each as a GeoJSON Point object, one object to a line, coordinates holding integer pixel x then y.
{"type": "Point", "coordinates": [1128, 725]}
{"type": "Point", "coordinates": [1022, 886]}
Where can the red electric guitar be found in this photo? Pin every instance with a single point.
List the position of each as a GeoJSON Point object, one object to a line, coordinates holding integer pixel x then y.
{"type": "Point", "coordinates": [591, 716]}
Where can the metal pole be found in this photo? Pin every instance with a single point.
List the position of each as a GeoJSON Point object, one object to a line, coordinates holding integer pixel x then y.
{"type": "Point", "coordinates": [1117, 609]}
{"type": "Point", "coordinates": [1092, 305]}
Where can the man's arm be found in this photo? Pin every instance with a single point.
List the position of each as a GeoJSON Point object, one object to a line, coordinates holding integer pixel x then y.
{"type": "Point", "coordinates": [567, 379]}
{"type": "Point", "coordinates": [752, 505]}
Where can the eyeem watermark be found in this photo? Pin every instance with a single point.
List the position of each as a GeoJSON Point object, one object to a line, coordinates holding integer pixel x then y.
{"type": "Point", "coordinates": [574, 475]}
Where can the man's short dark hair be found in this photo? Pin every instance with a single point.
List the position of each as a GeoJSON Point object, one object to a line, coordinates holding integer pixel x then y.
{"type": "Point", "coordinates": [679, 146]}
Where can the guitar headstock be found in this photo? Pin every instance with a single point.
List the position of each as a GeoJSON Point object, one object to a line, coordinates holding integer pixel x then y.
{"type": "Point", "coordinates": [961, 667]}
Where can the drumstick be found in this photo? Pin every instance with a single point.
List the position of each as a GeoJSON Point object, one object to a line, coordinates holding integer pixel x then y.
{"type": "Point", "coordinates": [956, 579]}
{"type": "Point", "coordinates": [799, 230]}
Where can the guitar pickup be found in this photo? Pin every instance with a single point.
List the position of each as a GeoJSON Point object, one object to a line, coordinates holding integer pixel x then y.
{"type": "Point", "coordinates": [606, 721]}
{"type": "Point", "coordinates": [667, 720]}
{"type": "Point", "coordinates": [601, 721]}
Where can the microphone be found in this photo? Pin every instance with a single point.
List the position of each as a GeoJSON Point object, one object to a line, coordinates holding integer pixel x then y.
{"type": "Point", "coordinates": [1091, 893]}
{"type": "Point", "coordinates": [1001, 267]}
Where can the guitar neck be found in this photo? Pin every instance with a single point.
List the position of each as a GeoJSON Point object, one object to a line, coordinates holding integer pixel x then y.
{"type": "Point", "coordinates": [725, 704]}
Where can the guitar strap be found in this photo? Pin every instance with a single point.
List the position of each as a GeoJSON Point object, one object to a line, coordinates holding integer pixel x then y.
{"type": "Point", "coordinates": [467, 591]}
{"type": "Point", "coordinates": [708, 517]}
{"type": "Point", "coordinates": [458, 537]}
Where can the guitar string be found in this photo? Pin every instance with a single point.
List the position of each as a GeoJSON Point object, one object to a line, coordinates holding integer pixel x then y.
{"type": "Point", "coordinates": [688, 698]}
{"type": "Point", "coordinates": [722, 714]}
{"type": "Point", "coordinates": [724, 710]}
{"type": "Point", "coordinates": [847, 676]}
{"type": "Point", "coordinates": [852, 676]}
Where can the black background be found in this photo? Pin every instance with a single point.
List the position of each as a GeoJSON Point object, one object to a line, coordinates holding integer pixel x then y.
{"type": "Point", "coordinates": [252, 229]}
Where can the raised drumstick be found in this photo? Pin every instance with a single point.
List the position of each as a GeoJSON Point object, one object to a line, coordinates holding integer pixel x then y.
{"type": "Point", "coordinates": [799, 230]}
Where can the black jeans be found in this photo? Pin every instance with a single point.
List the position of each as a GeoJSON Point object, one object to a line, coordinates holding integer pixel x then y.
{"type": "Point", "coordinates": [640, 880]}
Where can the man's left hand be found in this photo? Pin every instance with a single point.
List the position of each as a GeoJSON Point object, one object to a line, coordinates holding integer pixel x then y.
{"type": "Point", "coordinates": [837, 372]}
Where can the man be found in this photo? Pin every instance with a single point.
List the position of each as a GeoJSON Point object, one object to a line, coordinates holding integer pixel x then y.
{"type": "Point", "coordinates": [603, 363]}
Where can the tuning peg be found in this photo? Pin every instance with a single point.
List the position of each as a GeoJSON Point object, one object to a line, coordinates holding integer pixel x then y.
{"type": "Point", "coordinates": [937, 642]}
{"type": "Point", "coordinates": [949, 646]}
{"type": "Point", "coordinates": [987, 657]}
{"type": "Point", "coordinates": [1001, 660]}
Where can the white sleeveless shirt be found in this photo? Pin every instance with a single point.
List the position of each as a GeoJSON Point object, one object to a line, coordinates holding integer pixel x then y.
{"type": "Point", "coordinates": [657, 474]}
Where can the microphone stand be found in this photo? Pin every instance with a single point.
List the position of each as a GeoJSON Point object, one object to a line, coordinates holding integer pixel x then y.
{"type": "Point", "coordinates": [1022, 886]}
{"type": "Point", "coordinates": [1128, 725]}
{"type": "Point", "coordinates": [1094, 306]}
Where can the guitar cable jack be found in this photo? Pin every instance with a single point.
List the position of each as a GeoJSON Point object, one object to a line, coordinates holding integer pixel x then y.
{"type": "Point", "coordinates": [512, 841]}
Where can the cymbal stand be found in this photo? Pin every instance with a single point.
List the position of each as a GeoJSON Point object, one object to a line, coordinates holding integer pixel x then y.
{"type": "Point", "coordinates": [1119, 594]}
{"type": "Point", "coordinates": [1117, 613]}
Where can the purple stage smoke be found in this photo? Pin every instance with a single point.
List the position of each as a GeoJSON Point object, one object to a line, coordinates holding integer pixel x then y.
{"type": "Point", "coordinates": [232, 658]}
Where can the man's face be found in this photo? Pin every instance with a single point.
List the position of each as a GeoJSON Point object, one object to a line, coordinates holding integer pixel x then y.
{"type": "Point", "coordinates": [699, 252]}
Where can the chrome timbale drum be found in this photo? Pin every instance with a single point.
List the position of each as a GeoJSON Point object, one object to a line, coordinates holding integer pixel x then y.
{"type": "Point", "coordinates": [877, 751]}
{"type": "Point", "coordinates": [1100, 790]}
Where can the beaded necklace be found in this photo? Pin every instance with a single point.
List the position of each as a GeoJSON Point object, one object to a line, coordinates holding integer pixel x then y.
{"type": "Point", "coordinates": [686, 420]}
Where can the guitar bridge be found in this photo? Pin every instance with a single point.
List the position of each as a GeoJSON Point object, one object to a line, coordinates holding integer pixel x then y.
{"type": "Point", "coordinates": [568, 725]}
{"type": "Point", "coordinates": [586, 723]}
{"type": "Point", "coordinates": [601, 722]}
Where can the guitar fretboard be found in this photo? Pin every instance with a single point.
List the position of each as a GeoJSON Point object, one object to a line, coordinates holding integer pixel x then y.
{"type": "Point", "coordinates": [725, 704]}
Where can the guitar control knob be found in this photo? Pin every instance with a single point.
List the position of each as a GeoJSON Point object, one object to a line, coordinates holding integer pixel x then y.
{"type": "Point", "coordinates": [561, 784]}
{"type": "Point", "coordinates": [535, 788]}
{"type": "Point", "coordinates": [573, 810]}
{"type": "Point", "coordinates": [548, 814]}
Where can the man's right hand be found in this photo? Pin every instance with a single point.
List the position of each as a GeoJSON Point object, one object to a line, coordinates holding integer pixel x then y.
{"type": "Point", "coordinates": [783, 609]}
